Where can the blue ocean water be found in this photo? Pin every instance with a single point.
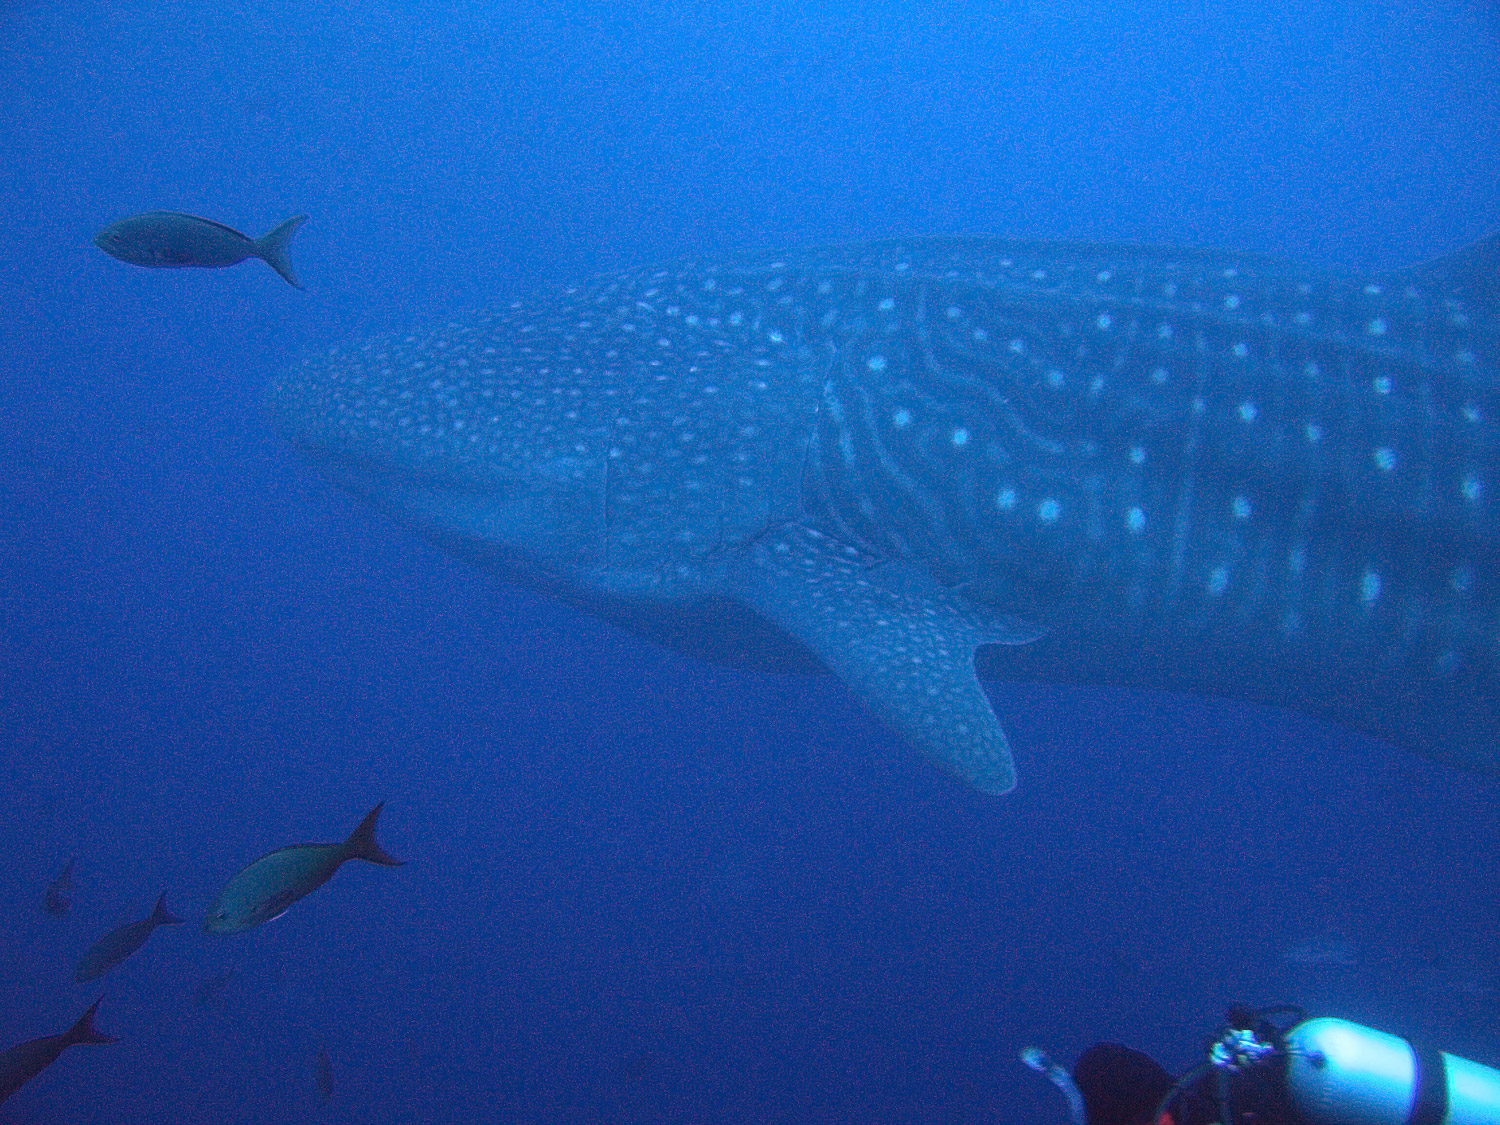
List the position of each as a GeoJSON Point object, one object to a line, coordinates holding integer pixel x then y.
{"type": "Point", "coordinates": [640, 888]}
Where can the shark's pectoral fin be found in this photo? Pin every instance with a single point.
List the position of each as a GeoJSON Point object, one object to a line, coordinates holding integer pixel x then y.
{"type": "Point", "coordinates": [901, 642]}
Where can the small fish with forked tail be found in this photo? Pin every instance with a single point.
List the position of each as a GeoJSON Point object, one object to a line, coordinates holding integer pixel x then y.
{"type": "Point", "coordinates": [25, 1061]}
{"type": "Point", "coordinates": [57, 901]}
{"type": "Point", "coordinates": [120, 943]}
{"type": "Point", "coordinates": [171, 240]}
{"type": "Point", "coordinates": [262, 892]}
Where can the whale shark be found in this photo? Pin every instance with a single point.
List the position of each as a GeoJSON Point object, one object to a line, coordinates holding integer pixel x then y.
{"type": "Point", "coordinates": [1156, 468]}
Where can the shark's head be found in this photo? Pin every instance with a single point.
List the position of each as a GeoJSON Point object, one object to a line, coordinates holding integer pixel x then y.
{"type": "Point", "coordinates": [623, 439]}
{"type": "Point", "coordinates": [476, 451]}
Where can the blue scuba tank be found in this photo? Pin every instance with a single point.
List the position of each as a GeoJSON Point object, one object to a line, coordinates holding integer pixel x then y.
{"type": "Point", "coordinates": [1340, 1073]}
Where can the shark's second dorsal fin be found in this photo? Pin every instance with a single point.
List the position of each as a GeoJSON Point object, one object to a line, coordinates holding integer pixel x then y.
{"type": "Point", "coordinates": [1472, 274]}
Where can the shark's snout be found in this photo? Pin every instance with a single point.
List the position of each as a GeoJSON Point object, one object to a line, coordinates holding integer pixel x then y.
{"type": "Point", "coordinates": [385, 408]}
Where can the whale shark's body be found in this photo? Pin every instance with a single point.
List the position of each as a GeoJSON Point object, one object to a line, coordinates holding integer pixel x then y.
{"type": "Point", "coordinates": [1164, 468]}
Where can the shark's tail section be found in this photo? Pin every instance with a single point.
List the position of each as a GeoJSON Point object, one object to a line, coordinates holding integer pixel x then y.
{"type": "Point", "coordinates": [273, 249]}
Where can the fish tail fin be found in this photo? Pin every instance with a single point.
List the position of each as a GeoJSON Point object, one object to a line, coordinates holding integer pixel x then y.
{"type": "Point", "coordinates": [273, 249]}
{"type": "Point", "coordinates": [84, 1030]}
{"type": "Point", "coordinates": [65, 879]}
{"type": "Point", "coordinates": [161, 916]}
{"type": "Point", "coordinates": [361, 842]}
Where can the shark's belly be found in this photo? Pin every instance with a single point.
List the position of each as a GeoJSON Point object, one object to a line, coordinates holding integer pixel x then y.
{"type": "Point", "coordinates": [1331, 594]}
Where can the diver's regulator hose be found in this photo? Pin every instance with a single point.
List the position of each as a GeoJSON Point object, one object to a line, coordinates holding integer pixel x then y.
{"type": "Point", "coordinates": [1037, 1059]}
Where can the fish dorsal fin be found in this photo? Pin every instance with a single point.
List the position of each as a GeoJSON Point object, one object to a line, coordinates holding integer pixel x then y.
{"type": "Point", "coordinates": [1472, 274]}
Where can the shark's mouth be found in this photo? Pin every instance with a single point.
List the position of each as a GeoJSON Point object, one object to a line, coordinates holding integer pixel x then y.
{"type": "Point", "coordinates": [467, 520]}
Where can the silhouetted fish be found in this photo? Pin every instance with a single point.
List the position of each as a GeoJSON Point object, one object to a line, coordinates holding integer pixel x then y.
{"type": "Point", "coordinates": [1161, 468]}
{"type": "Point", "coordinates": [210, 990]}
{"type": "Point", "coordinates": [23, 1062]}
{"type": "Point", "coordinates": [171, 240]}
{"type": "Point", "coordinates": [57, 901]}
{"type": "Point", "coordinates": [1326, 949]}
{"type": "Point", "coordinates": [262, 892]}
{"type": "Point", "coordinates": [637, 1065]}
{"type": "Point", "coordinates": [323, 1076]}
{"type": "Point", "coordinates": [120, 943]}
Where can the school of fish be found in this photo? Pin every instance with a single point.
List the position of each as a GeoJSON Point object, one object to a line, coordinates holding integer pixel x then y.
{"type": "Point", "coordinates": [260, 892]}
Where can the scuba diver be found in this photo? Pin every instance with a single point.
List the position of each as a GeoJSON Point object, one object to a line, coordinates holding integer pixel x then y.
{"type": "Point", "coordinates": [1274, 1066]}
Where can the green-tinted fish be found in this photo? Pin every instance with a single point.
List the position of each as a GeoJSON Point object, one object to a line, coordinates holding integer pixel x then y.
{"type": "Point", "coordinates": [263, 891]}
{"type": "Point", "coordinates": [171, 240]}
{"type": "Point", "coordinates": [25, 1061]}
{"type": "Point", "coordinates": [323, 1076]}
{"type": "Point", "coordinates": [120, 943]}
{"type": "Point", "coordinates": [57, 900]}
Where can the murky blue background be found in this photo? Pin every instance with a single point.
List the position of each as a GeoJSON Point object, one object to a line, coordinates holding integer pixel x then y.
{"type": "Point", "coordinates": [643, 889]}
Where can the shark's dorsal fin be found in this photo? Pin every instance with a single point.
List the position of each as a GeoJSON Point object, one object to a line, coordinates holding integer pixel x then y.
{"type": "Point", "coordinates": [902, 643]}
{"type": "Point", "coordinates": [1472, 273]}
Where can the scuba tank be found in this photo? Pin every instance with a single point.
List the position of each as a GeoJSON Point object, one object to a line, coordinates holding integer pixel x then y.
{"type": "Point", "coordinates": [1277, 1067]}
{"type": "Point", "coordinates": [1340, 1073]}
{"type": "Point", "coordinates": [1330, 1072]}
